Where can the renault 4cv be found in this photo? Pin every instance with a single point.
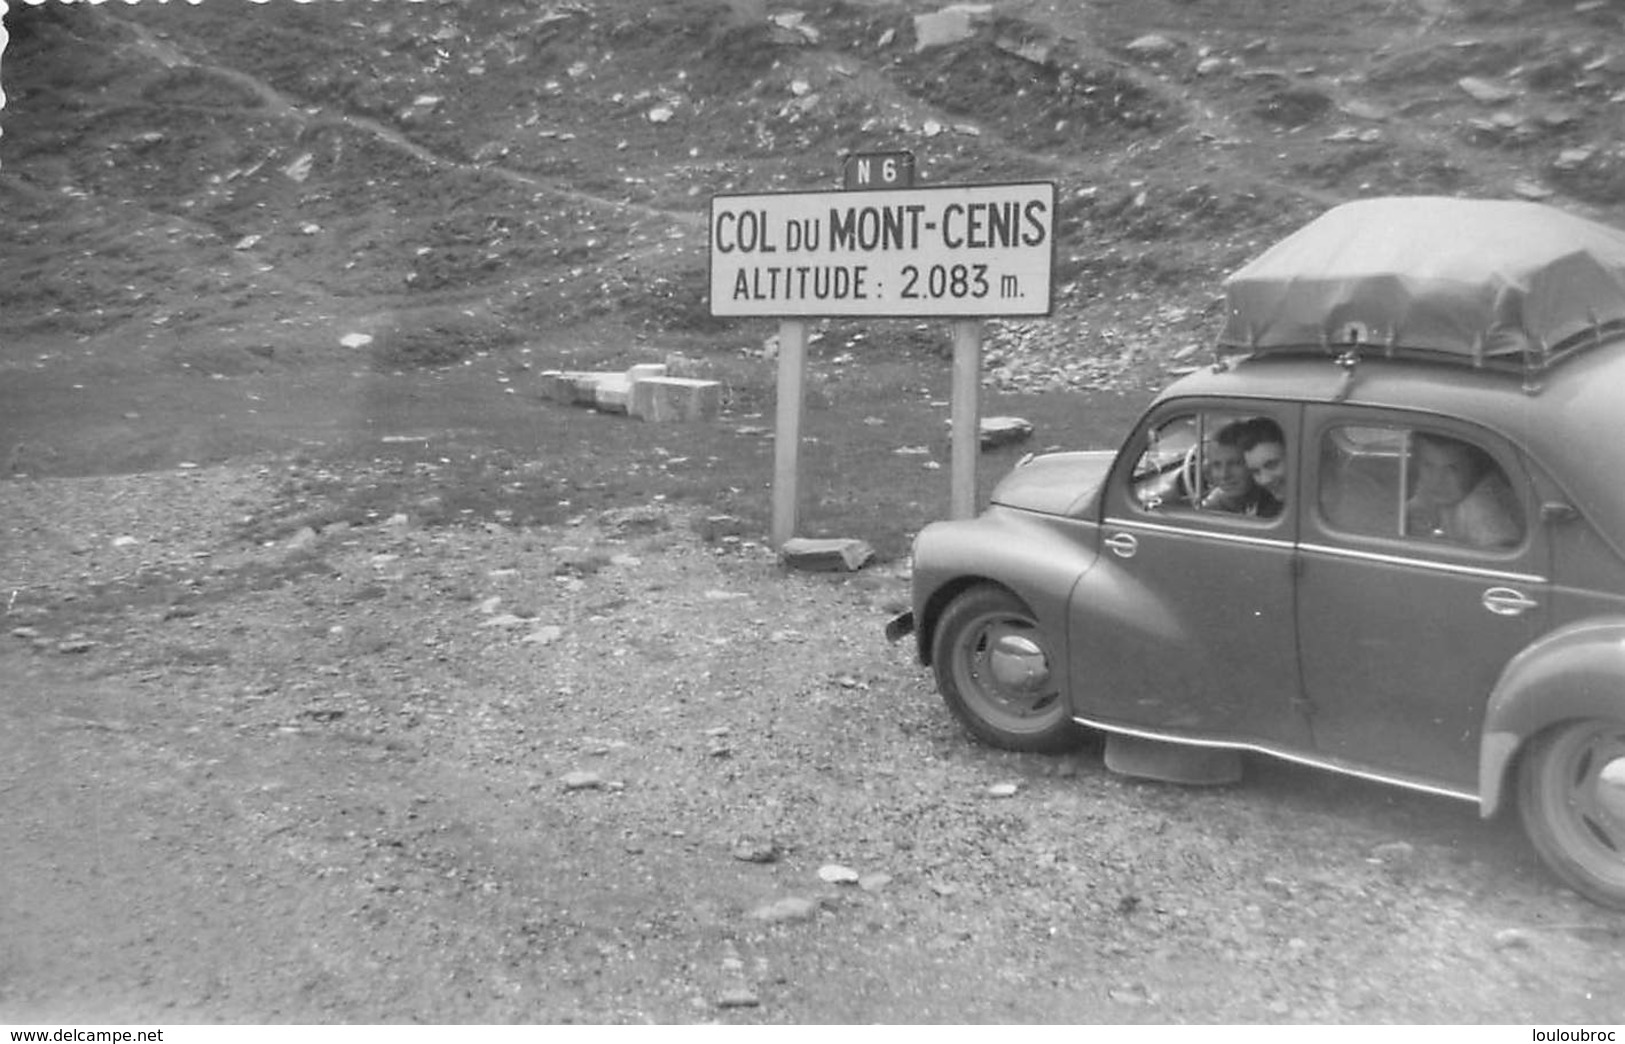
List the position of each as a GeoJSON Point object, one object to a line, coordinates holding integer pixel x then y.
{"type": "Point", "coordinates": [1383, 533]}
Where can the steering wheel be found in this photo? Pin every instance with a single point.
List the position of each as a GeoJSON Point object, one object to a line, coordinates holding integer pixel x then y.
{"type": "Point", "coordinates": [1190, 475]}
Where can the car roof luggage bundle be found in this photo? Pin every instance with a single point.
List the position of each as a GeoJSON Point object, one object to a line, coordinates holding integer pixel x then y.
{"type": "Point", "coordinates": [1490, 283]}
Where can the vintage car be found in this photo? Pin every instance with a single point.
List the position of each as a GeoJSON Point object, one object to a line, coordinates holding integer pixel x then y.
{"type": "Point", "coordinates": [1382, 533]}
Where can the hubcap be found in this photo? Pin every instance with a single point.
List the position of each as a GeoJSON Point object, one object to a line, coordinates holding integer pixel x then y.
{"type": "Point", "coordinates": [1018, 662]}
{"type": "Point", "coordinates": [1005, 668]}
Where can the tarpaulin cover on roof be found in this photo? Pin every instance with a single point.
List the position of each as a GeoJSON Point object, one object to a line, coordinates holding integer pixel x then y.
{"type": "Point", "coordinates": [1487, 280]}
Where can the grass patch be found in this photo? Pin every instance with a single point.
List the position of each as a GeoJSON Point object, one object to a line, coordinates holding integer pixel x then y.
{"type": "Point", "coordinates": [872, 429]}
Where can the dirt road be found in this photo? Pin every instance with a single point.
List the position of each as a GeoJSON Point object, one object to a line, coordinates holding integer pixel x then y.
{"type": "Point", "coordinates": [383, 771]}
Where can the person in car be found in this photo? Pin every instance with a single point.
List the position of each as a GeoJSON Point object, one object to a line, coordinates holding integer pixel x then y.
{"type": "Point", "coordinates": [1263, 448]}
{"type": "Point", "coordinates": [1233, 488]}
{"type": "Point", "coordinates": [1461, 495]}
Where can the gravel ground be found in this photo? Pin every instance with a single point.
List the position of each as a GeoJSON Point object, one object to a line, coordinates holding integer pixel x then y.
{"type": "Point", "coordinates": [610, 773]}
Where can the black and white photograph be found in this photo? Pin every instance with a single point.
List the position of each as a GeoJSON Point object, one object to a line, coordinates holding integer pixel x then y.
{"type": "Point", "coordinates": [870, 513]}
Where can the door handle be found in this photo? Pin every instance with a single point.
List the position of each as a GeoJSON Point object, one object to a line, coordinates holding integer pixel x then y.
{"type": "Point", "coordinates": [1123, 545]}
{"type": "Point", "coordinates": [1507, 601]}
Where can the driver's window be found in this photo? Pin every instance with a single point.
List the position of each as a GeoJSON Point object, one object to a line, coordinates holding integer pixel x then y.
{"type": "Point", "coordinates": [1219, 461]}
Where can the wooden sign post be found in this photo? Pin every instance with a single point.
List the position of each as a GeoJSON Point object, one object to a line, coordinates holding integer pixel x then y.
{"type": "Point", "coordinates": [966, 408]}
{"type": "Point", "coordinates": [790, 409]}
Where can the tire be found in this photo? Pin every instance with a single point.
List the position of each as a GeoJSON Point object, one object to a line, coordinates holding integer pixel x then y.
{"type": "Point", "coordinates": [1571, 795]}
{"type": "Point", "coordinates": [1026, 717]}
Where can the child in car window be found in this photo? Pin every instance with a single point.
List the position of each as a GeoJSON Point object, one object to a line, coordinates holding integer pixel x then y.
{"type": "Point", "coordinates": [1233, 487]}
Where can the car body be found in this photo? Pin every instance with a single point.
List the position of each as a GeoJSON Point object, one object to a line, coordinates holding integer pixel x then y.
{"type": "Point", "coordinates": [1439, 602]}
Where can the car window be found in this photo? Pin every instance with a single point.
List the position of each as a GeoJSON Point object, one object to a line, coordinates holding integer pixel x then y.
{"type": "Point", "coordinates": [1217, 462]}
{"type": "Point", "coordinates": [1416, 484]}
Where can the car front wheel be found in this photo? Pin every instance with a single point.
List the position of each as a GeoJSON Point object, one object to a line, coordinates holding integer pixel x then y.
{"type": "Point", "coordinates": [1571, 793]}
{"type": "Point", "coordinates": [996, 670]}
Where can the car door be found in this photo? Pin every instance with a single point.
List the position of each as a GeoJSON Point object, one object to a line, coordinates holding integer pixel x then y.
{"type": "Point", "coordinates": [1185, 626]}
{"type": "Point", "coordinates": [1407, 618]}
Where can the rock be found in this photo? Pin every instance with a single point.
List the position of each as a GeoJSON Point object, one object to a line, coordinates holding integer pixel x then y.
{"type": "Point", "coordinates": [583, 781]}
{"type": "Point", "coordinates": [826, 555]}
{"type": "Point", "coordinates": [835, 873]}
{"type": "Point", "coordinates": [874, 882]}
{"type": "Point", "coordinates": [125, 541]}
{"type": "Point", "coordinates": [75, 645]}
{"type": "Point", "coordinates": [1485, 92]}
{"type": "Point", "coordinates": [786, 910]}
{"type": "Point", "coordinates": [306, 537]}
{"type": "Point", "coordinates": [949, 25]}
{"type": "Point", "coordinates": [666, 399]}
{"type": "Point", "coordinates": [504, 620]}
{"type": "Point", "coordinates": [1152, 47]}
{"type": "Point", "coordinates": [1003, 790]}
{"type": "Point", "coordinates": [299, 169]}
{"type": "Point", "coordinates": [1002, 431]}
{"type": "Point", "coordinates": [545, 635]}
{"type": "Point", "coordinates": [1362, 110]}
{"type": "Point", "coordinates": [1513, 938]}
{"type": "Point", "coordinates": [737, 997]}
{"type": "Point", "coordinates": [752, 850]}
{"type": "Point", "coordinates": [1574, 159]}
{"type": "Point", "coordinates": [713, 528]}
{"type": "Point", "coordinates": [791, 28]}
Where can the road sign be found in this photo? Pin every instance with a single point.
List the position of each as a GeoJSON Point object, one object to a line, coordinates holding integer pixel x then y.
{"type": "Point", "coordinates": [878, 170]}
{"type": "Point", "coordinates": [953, 251]}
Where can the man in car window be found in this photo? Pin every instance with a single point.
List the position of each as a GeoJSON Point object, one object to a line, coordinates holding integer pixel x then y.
{"type": "Point", "coordinates": [1263, 448]}
{"type": "Point", "coordinates": [1461, 495]}
{"type": "Point", "coordinates": [1233, 487]}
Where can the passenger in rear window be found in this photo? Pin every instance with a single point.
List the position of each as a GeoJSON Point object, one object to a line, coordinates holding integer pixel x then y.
{"type": "Point", "coordinates": [1461, 495]}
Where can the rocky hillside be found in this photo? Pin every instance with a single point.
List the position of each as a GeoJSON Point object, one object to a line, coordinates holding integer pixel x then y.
{"type": "Point", "coordinates": [223, 185]}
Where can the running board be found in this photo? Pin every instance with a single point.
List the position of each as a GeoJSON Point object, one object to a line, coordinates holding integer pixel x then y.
{"type": "Point", "coordinates": [1240, 747]}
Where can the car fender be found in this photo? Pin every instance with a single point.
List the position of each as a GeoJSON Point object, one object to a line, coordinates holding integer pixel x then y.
{"type": "Point", "coordinates": [1577, 671]}
{"type": "Point", "coordinates": [1038, 558]}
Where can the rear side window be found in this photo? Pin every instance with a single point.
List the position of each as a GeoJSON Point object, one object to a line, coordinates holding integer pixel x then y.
{"type": "Point", "coordinates": [1416, 484]}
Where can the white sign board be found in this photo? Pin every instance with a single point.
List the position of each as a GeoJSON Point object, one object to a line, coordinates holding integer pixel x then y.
{"type": "Point", "coordinates": [962, 250]}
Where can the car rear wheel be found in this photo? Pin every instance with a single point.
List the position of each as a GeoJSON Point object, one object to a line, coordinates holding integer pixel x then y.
{"type": "Point", "coordinates": [996, 671]}
{"type": "Point", "coordinates": [1571, 793]}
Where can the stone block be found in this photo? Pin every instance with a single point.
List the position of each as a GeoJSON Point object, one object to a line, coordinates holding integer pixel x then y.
{"type": "Point", "coordinates": [612, 393]}
{"type": "Point", "coordinates": [1002, 431]}
{"type": "Point", "coordinates": [675, 399]}
{"type": "Point", "coordinates": [571, 387]}
{"type": "Point", "coordinates": [644, 371]}
{"type": "Point", "coordinates": [826, 555]}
